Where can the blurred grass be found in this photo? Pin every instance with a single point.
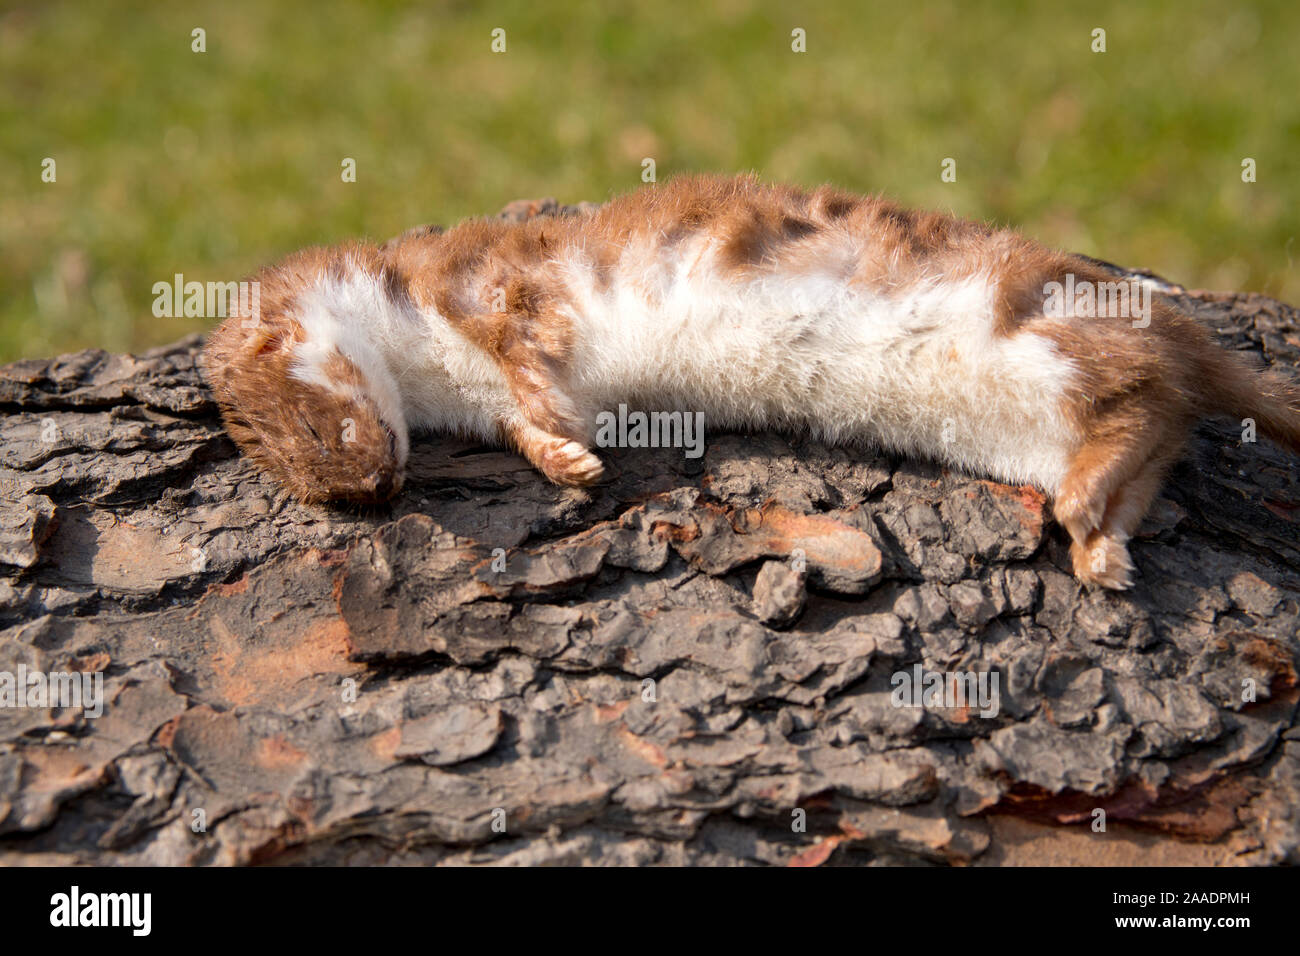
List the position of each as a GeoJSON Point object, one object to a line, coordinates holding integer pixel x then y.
{"type": "Point", "coordinates": [211, 164]}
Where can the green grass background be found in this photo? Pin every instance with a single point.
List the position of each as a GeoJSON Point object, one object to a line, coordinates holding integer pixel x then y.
{"type": "Point", "coordinates": [211, 164]}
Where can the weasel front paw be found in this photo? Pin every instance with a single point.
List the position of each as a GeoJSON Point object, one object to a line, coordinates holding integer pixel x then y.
{"type": "Point", "coordinates": [569, 463]}
{"type": "Point", "coordinates": [562, 460]}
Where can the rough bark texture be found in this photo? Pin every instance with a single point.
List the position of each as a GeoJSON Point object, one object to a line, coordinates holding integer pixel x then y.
{"type": "Point", "coordinates": [679, 666]}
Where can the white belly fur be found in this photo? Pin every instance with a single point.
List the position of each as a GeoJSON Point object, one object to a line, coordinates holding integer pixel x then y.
{"type": "Point", "coordinates": [920, 372]}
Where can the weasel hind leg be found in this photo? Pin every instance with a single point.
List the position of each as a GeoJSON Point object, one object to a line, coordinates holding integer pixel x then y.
{"type": "Point", "coordinates": [1107, 491]}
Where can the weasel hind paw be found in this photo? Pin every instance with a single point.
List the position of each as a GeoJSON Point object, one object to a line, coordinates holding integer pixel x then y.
{"type": "Point", "coordinates": [1104, 562]}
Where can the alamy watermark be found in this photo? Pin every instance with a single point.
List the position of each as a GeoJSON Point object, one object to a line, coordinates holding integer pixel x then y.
{"type": "Point", "coordinates": [37, 689]}
{"type": "Point", "coordinates": [1083, 298]}
{"type": "Point", "coordinates": [130, 910]}
{"type": "Point", "coordinates": [651, 430]}
{"type": "Point", "coordinates": [947, 689]}
{"type": "Point", "coordinates": [208, 300]}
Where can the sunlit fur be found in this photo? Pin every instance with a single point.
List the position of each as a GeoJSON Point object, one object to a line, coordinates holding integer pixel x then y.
{"type": "Point", "coordinates": [764, 307]}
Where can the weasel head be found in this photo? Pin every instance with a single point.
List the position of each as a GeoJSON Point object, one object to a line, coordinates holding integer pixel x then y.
{"type": "Point", "coordinates": [321, 414]}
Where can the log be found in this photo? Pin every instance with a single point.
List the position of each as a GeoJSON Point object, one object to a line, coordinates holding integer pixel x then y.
{"type": "Point", "coordinates": [696, 662]}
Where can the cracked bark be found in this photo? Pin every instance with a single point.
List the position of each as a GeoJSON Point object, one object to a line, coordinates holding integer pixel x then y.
{"type": "Point", "coordinates": [666, 668]}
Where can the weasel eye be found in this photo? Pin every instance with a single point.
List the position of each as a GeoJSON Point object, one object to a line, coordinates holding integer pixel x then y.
{"type": "Point", "coordinates": [392, 441]}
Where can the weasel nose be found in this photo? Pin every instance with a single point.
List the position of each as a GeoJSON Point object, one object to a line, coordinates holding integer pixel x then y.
{"type": "Point", "coordinates": [381, 485]}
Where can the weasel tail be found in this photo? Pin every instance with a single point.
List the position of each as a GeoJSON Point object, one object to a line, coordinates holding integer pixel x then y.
{"type": "Point", "coordinates": [1230, 386]}
{"type": "Point", "coordinates": [759, 306]}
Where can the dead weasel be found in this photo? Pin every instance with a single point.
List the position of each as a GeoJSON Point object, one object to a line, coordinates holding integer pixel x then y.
{"type": "Point", "coordinates": [762, 306]}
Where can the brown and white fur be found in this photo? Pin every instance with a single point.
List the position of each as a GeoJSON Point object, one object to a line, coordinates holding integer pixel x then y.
{"type": "Point", "coordinates": [764, 307]}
